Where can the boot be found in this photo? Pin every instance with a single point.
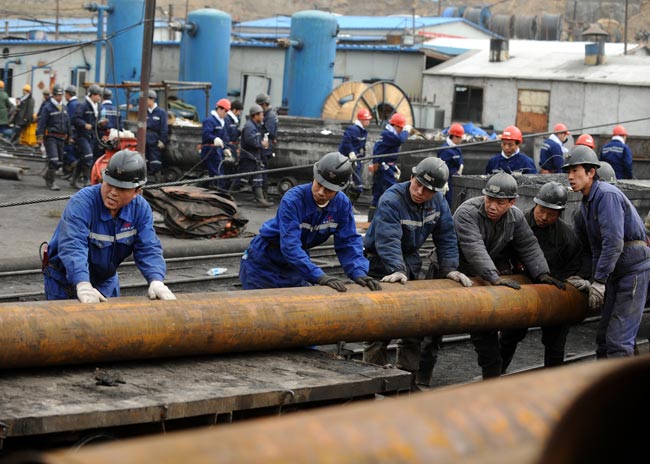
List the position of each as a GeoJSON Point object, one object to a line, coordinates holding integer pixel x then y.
{"type": "Point", "coordinates": [49, 179]}
{"type": "Point", "coordinates": [259, 197]}
{"type": "Point", "coordinates": [85, 172]}
{"type": "Point", "coordinates": [75, 175]}
{"type": "Point", "coordinates": [371, 213]}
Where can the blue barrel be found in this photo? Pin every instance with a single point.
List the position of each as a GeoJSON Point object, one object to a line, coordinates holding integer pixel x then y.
{"type": "Point", "coordinates": [205, 56]}
{"type": "Point", "coordinates": [124, 55]}
{"type": "Point", "coordinates": [311, 62]}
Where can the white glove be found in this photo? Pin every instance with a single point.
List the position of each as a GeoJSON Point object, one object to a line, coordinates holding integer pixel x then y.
{"type": "Point", "coordinates": [160, 291]}
{"type": "Point", "coordinates": [408, 128]}
{"type": "Point", "coordinates": [227, 154]}
{"type": "Point", "coordinates": [352, 156]}
{"type": "Point", "coordinates": [460, 170]}
{"type": "Point", "coordinates": [579, 283]}
{"type": "Point", "coordinates": [398, 173]}
{"type": "Point", "coordinates": [395, 277]}
{"type": "Point", "coordinates": [218, 142]}
{"type": "Point", "coordinates": [460, 277]}
{"type": "Point", "coordinates": [596, 295]}
{"type": "Point", "coordinates": [89, 294]}
{"type": "Point", "coordinates": [445, 189]}
{"type": "Point", "coordinates": [161, 144]}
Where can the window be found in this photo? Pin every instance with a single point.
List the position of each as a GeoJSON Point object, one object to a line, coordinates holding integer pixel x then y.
{"type": "Point", "coordinates": [468, 104]}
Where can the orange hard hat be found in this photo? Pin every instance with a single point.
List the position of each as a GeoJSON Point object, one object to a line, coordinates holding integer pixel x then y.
{"type": "Point", "coordinates": [559, 128]}
{"type": "Point", "coordinates": [456, 129]}
{"type": "Point", "coordinates": [512, 133]}
{"type": "Point", "coordinates": [224, 103]}
{"type": "Point", "coordinates": [586, 139]}
{"type": "Point", "coordinates": [619, 130]}
{"type": "Point", "coordinates": [397, 120]}
{"type": "Point", "coordinates": [2, 84]}
{"type": "Point", "coordinates": [364, 115]}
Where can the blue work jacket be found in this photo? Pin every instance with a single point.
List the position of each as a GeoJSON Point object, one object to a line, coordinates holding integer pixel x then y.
{"type": "Point", "coordinates": [551, 157]}
{"type": "Point", "coordinates": [53, 120]}
{"type": "Point", "coordinates": [612, 232]}
{"type": "Point", "coordinates": [619, 155]}
{"type": "Point", "coordinates": [517, 163]}
{"type": "Point", "coordinates": [389, 142]}
{"type": "Point", "coordinates": [354, 140]}
{"type": "Point", "coordinates": [453, 158]}
{"type": "Point", "coordinates": [213, 127]}
{"type": "Point", "coordinates": [84, 114]}
{"type": "Point", "coordinates": [88, 244]}
{"type": "Point", "coordinates": [157, 126]}
{"type": "Point", "coordinates": [400, 227]}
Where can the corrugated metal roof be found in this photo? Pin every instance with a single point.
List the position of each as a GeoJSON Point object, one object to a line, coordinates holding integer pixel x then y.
{"type": "Point", "coordinates": [543, 60]}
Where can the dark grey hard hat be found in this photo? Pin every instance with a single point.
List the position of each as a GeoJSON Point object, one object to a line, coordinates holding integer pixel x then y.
{"type": "Point", "coordinates": [501, 185]}
{"type": "Point", "coordinates": [333, 171]}
{"type": "Point", "coordinates": [126, 169]}
{"type": "Point", "coordinates": [432, 173]}
{"type": "Point", "coordinates": [581, 154]}
{"type": "Point", "coordinates": [71, 89]}
{"type": "Point", "coordinates": [94, 90]}
{"type": "Point", "coordinates": [552, 195]}
{"type": "Point", "coordinates": [255, 109]}
{"type": "Point", "coordinates": [262, 99]}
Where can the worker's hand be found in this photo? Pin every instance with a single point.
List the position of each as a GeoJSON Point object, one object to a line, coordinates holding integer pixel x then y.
{"type": "Point", "coordinates": [579, 283]}
{"type": "Point", "coordinates": [88, 126]}
{"type": "Point", "coordinates": [408, 128]}
{"type": "Point", "coordinates": [39, 139]}
{"type": "Point", "coordinates": [227, 156]}
{"type": "Point", "coordinates": [550, 280]}
{"type": "Point", "coordinates": [395, 277]}
{"type": "Point", "coordinates": [507, 283]}
{"type": "Point", "coordinates": [596, 295]}
{"type": "Point", "coordinates": [218, 142]}
{"type": "Point", "coordinates": [86, 293]}
{"type": "Point", "coordinates": [373, 167]}
{"type": "Point", "coordinates": [367, 281]}
{"type": "Point", "coordinates": [160, 291]}
{"type": "Point", "coordinates": [460, 170]}
{"type": "Point", "coordinates": [353, 156]}
{"type": "Point", "coordinates": [397, 174]}
{"type": "Point", "coordinates": [161, 144]}
{"type": "Point", "coordinates": [333, 282]}
{"type": "Point", "coordinates": [458, 276]}
{"type": "Point", "coordinates": [265, 143]}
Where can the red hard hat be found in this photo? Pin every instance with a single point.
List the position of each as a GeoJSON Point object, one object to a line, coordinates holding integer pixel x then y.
{"type": "Point", "coordinates": [456, 129]}
{"type": "Point", "coordinates": [364, 115]}
{"type": "Point", "coordinates": [224, 103]}
{"type": "Point", "coordinates": [559, 128]}
{"type": "Point", "coordinates": [619, 130]}
{"type": "Point", "coordinates": [512, 133]}
{"type": "Point", "coordinates": [586, 139]}
{"type": "Point", "coordinates": [397, 120]}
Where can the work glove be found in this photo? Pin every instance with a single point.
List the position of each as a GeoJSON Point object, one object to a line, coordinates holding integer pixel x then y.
{"type": "Point", "coordinates": [227, 156]}
{"type": "Point", "coordinates": [550, 280]}
{"type": "Point", "coordinates": [579, 283]}
{"type": "Point", "coordinates": [160, 291]}
{"type": "Point", "coordinates": [352, 156]}
{"type": "Point", "coordinates": [458, 276]}
{"type": "Point", "coordinates": [218, 142]}
{"type": "Point", "coordinates": [460, 170]}
{"type": "Point", "coordinates": [596, 295]}
{"type": "Point", "coordinates": [333, 282]}
{"type": "Point", "coordinates": [89, 294]}
{"type": "Point", "coordinates": [398, 173]}
{"type": "Point", "coordinates": [395, 277]}
{"type": "Point", "coordinates": [161, 144]}
{"type": "Point", "coordinates": [445, 189]}
{"type": "Point", "coordinates": [367, 281]}
{"type": "Point", "coordinates": [507, 283]}
{"type": "Point", "coordinates": [408, 128]}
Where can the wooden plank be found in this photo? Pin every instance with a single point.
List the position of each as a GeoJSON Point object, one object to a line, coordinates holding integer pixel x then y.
{"type": "Point", "coordinates": [43, 401]}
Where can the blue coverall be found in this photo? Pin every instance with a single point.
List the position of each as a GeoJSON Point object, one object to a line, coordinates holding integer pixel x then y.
{"type": "Point", "coordinates": [613, 233]}
{"type": "Point", "coordinates": [619, 155]}
{"type": "Point", "coordinates": [551, 156]}
{"type": "Point", "coordinates": [88, 149]}
{"type": "Point", "coordinates": [108, 113]}
{"type": "Point", "coordinates": [393, 241]}
{"type": "Point", "coordinates": [278, 258]}
{"type": "Point", "coordinates": [453, 158]}
{"type": "Point", "coordinates": [354, 140]}
{"type": "Point", "coordinates": [270, 127]}
{"type": "Point", "coordinates": [250, 154]}
{"type": "Point", "coordinates": [517, 163]}
{"type": "Point", "coordinates": [384, 177]}
{"type": "Point", "coordinates": [213, 126]}
{"type": "Point", "coordinates": [157, 130]}
{"type": "Point", "coordinates": [88, 245]}
{"type": "Point", "coordinates": [70, 156]}
{"type": "Point", "coordinates": [54, 127]}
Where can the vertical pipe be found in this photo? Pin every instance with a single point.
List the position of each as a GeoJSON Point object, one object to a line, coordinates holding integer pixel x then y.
{"type": "Point", "coordinates": [625, 30]}
{"type": "Point", "coordinates": [98, 45]}
{"type": "Point", "coordinates": [145, 74]}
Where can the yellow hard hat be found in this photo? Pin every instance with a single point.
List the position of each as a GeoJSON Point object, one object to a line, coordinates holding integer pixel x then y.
{"type": "Point", "coordinates": [27, 87]}
{"type": "Point", "coordinates": [2, 84]}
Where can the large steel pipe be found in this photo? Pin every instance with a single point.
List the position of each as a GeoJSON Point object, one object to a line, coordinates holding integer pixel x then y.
{"type": "Point", "coordinates": [508, 420]}
{"type": "Point", "coordinates": [67, 332]}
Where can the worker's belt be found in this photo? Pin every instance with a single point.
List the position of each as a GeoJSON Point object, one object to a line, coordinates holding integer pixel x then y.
{"type": "Point", "coordinates": [56, 134]}
{"type": "Point", "coordinates": [633, 243]}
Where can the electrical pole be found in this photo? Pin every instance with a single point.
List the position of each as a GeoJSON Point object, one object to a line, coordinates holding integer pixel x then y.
{"type": "Point", "coordinates": [147, 43]}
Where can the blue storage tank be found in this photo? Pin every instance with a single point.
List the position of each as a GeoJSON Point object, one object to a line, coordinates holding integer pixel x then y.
{"type": "Point", "coordinates": [310, 68]}
{"type": "Point", "coordinates": [205, 56]}
{"type": "Point", "coordinates": [124, 55]}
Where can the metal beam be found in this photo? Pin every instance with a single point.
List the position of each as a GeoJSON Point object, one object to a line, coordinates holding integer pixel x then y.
{"type": "Point", "coordinates": [68, 332]}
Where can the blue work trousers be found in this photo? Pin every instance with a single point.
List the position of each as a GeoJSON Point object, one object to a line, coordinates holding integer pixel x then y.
{"type": "Point", "coordinates": [54, 147]}
{"type": "Point", "coordinates": [383, 179]}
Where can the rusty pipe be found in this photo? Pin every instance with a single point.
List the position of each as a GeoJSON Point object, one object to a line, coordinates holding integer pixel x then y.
{"type": "Point", "coordinates": [514, 419]}
{"type": "Point", "coordinates": [68, 332]}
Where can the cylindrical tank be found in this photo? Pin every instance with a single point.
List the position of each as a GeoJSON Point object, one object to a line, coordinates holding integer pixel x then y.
{"type": "Point", "coordinates": [311, 62]}
{"type": "Point", "coordinates": [205, 56]}
{"type": "Point", "coordinates": [124, 27]}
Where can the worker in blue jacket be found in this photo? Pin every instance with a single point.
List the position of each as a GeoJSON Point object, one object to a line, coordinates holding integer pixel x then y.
{"type": "Point", "coordinates": [551, 155]}
{"type": "Point", "coordinates": [157, 136]}
{"type": "Point", "coordinates": [618, 154]}
{"type": "Point", "coordinates": [270, 133]}
{"type": "Point", "coordinates": [70, 158]}
{"type": "Point", "coordinates": [452, 155]}
{"type": "Point", "coordinates": [613, 237]}
{"type": "Point", "coordinates": [108, 115]}
{"type": "Point", "coordinates": [101, 226]}
{"type": "Point", "coordinates": [231, 150]}
{"type": "Point", "coordinates": [86, 131]}
{"type": "Point", "coordinates": [214, 139]}
{"type": "Point", "coordinates": [511, 160]}
{"type": "Point", "coordinates": [407, 215]}
{"type": "Point", "coordinates": [353, 145]}
{"type": "Point", "coordinates": [53, 130]}
{"type": "Point", "coordinates": [307, 216]}
{"type": "Point", "coordinates": [385, 171]}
